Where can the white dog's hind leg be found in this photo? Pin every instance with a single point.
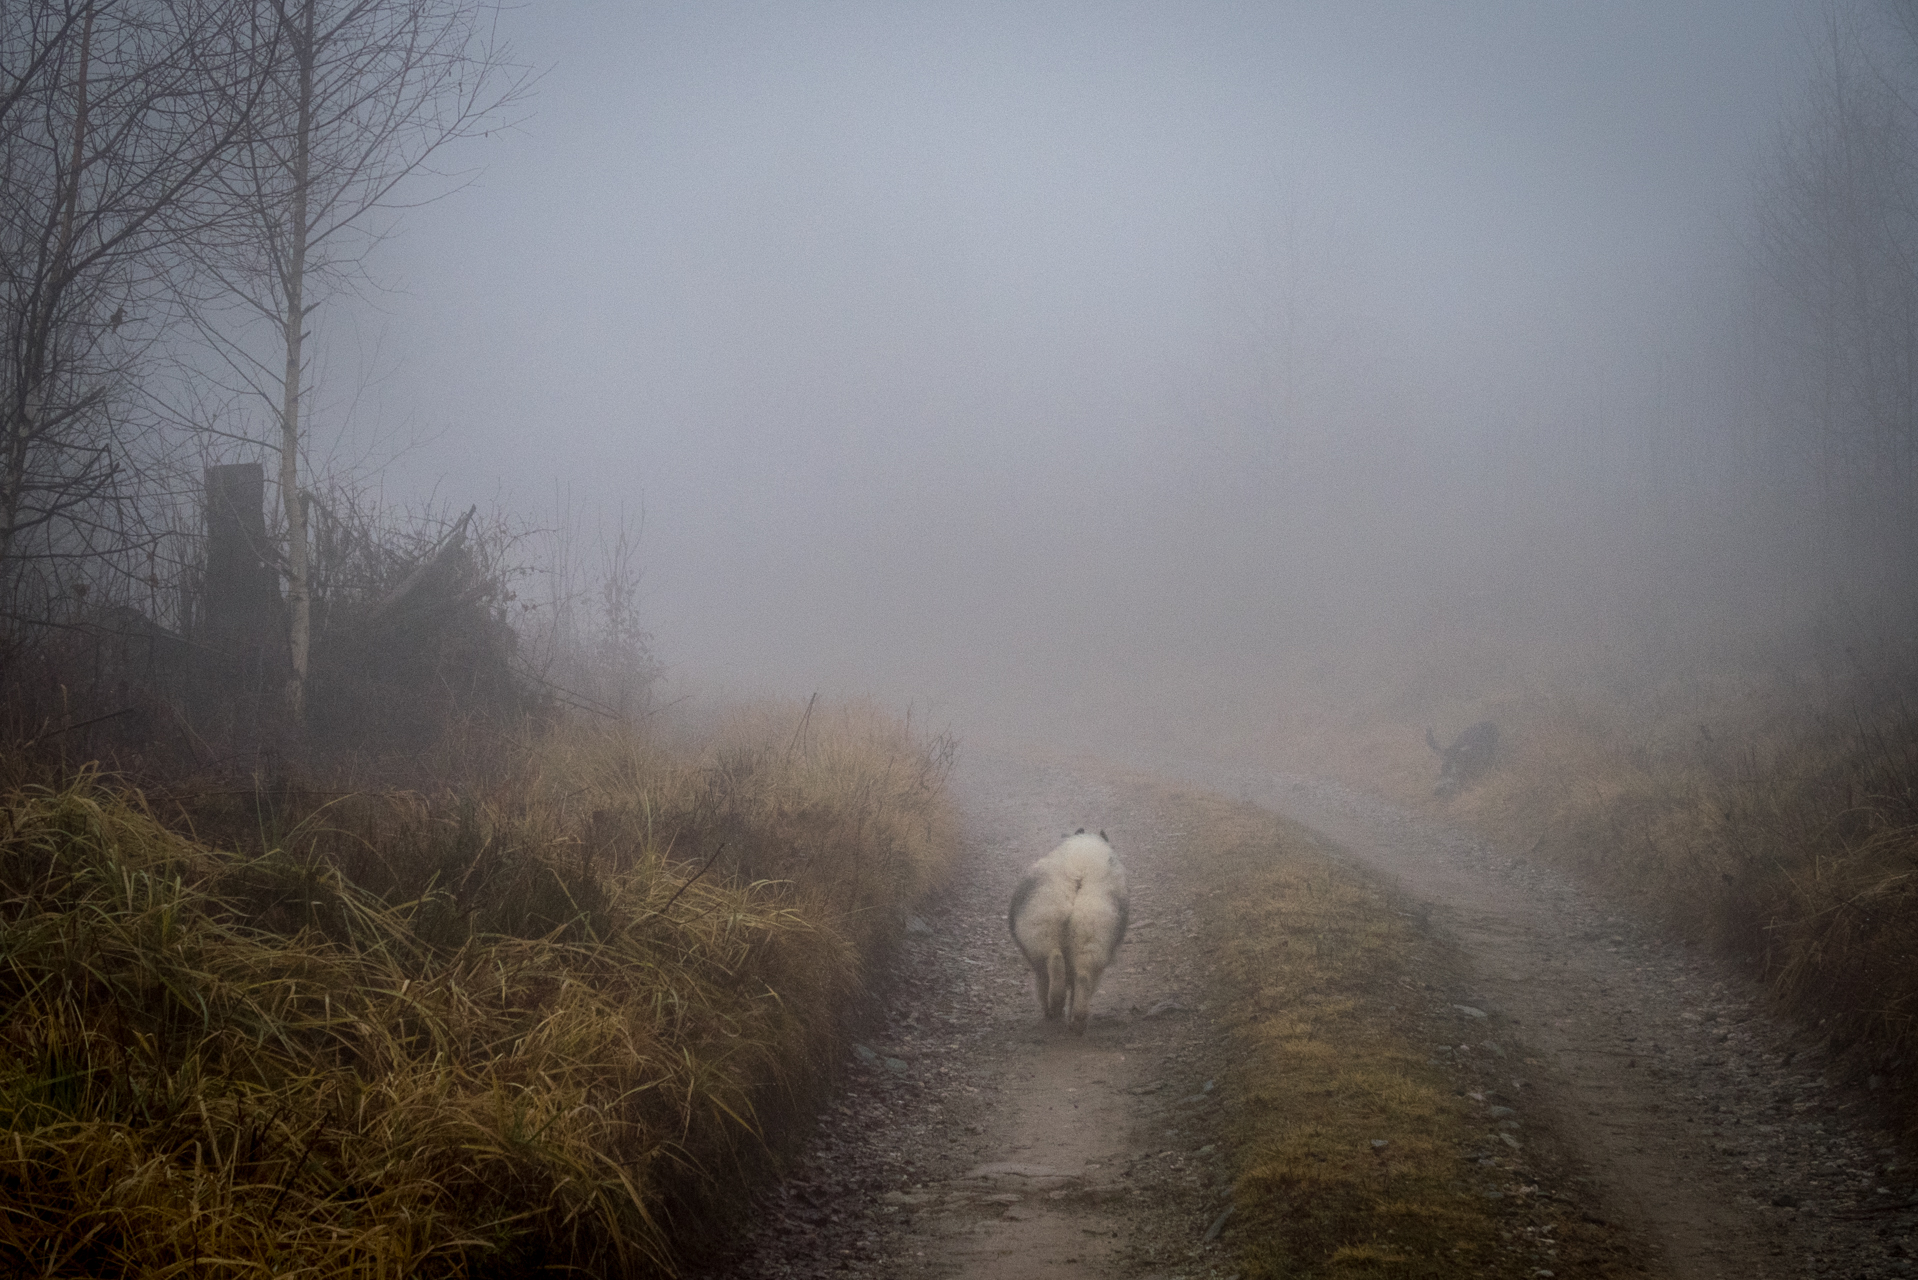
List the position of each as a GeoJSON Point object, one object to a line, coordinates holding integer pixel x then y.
{"type": "Point", "coordinates": [1085, 984]}
{"type": "Point", "coordinates": [1041, 984]}
{"type": "Point", "coordinates": [1057, 985]}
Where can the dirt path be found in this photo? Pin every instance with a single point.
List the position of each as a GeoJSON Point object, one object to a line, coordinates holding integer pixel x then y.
{"type": "Point", "coordinates": [1708, 1129]}
{"type": "Point", "coordinates": [973, 1140]}
{"type": "Point", "coordinates": [970, 1140]}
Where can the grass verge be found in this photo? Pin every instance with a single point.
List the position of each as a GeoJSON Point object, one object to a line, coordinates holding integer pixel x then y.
{"type": "Point", "coordinates": [560, 1020]}
{"type": "Point", "coordinates": [1359, 1150]}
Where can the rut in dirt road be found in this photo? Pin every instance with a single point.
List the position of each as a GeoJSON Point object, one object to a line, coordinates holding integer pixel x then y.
{"type": "Point", "coordinates": [974, 1140]}
{"type": "Point", "coordinates": [1708, 1130]}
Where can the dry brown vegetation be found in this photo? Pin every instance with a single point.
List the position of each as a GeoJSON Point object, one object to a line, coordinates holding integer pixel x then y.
{"type": "Point", "coordinates": [560, 1017]}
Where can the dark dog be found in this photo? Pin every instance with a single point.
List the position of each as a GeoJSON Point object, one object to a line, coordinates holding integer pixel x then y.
{"type": "Point", "coordinates": [1469, 756]}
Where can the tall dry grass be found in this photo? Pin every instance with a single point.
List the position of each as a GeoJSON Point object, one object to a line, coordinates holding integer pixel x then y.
{"type": "Point", "coordinates": [562, 1018]}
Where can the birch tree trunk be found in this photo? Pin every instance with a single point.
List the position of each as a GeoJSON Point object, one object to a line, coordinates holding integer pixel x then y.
{"type": "Point", "coordinates": [358, 97]}
{"type": "Point", "coordinates": [299, 586]}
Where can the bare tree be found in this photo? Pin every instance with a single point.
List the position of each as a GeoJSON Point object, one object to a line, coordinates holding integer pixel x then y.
{"type": "Point", "coordinates": [115, 116]}
{"type": "Point", "coordinates": [359, 98]}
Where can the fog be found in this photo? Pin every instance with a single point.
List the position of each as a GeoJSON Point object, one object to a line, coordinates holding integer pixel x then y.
{"type": "Point", "coordinates": [1046, 359]}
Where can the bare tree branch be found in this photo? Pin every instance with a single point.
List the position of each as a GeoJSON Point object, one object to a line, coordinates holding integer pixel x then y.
{"type": "Point", "coordinates": [359, 97]}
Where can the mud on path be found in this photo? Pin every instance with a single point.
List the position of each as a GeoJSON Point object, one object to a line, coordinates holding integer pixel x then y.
{"type": "Point", "coordinates": [974, 1140]}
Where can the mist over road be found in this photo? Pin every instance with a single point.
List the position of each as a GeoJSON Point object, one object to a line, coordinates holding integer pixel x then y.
{"type": "Point", "coordinates": [925, 336]}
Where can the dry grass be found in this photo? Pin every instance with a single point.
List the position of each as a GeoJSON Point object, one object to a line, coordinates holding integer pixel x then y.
{"type": "Point", "coordinates": [561, 1021]}
{"type": "Point", "coordinates": [1328, 987]}
{"type": "Point", "coordinates": [844, 806]}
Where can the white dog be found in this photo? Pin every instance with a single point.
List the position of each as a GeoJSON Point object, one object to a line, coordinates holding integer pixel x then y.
{"type": "Point", "coordinates": [1068, 916]}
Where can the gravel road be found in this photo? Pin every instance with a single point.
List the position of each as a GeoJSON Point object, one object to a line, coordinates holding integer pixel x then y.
{"type": "Point", "coordinates": [1710, 1128]}
{"type": "Point", "coordinates": [974, 1140]}
{"type": "Point", "coordinates": [970, 1140]}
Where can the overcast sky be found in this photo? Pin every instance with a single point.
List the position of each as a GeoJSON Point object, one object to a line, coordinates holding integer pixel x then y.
{"type": "Point", "coordinates": [910, 325]}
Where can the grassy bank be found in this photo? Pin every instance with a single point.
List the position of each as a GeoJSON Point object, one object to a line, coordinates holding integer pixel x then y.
{"type": "Point", "coordinates": [561, 1017]}
{"type": "Point", "coordinates": [1358, 1151]}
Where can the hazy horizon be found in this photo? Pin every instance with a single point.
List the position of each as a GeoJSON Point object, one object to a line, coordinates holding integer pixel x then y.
{"type": "Point", "coordinates": [956, 349]}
